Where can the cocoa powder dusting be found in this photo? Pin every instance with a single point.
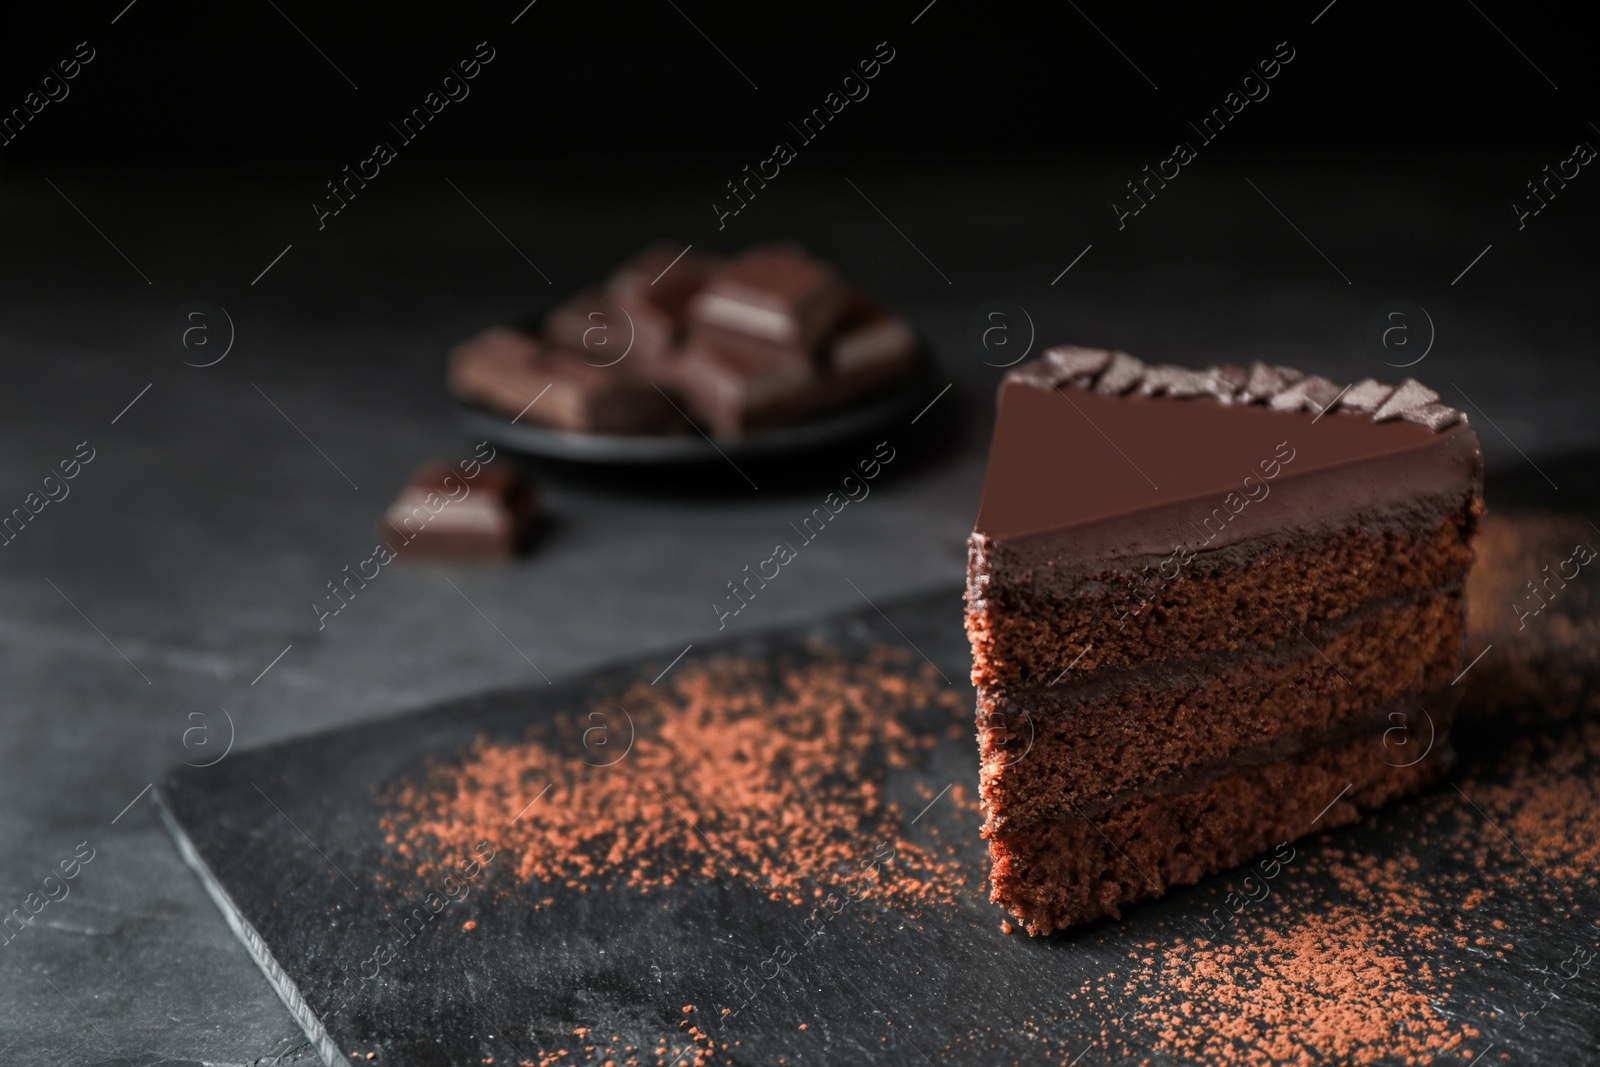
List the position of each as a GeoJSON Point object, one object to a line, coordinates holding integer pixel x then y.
{"type": "Point", "coordinates": [737, 768]}
{"type": "Point", "coordinates": [1325, 988]}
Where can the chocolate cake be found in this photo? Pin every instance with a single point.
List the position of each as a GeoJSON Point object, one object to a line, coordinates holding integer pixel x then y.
{"type": "Point", "coordinates": [1210, 611]}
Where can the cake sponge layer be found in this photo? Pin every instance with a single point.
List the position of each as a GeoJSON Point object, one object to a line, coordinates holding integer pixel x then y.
{"type": "Point", "coordinates": [1075, 869]}
{"type": "Point", "coordinates": [1050, 750]}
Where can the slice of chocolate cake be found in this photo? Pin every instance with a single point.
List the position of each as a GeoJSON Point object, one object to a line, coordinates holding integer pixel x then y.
{"type": "Point", "coordinates": [1210, 611]}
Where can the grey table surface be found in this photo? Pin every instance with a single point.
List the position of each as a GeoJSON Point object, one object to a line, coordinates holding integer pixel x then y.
{"type": "Point", "coordinates": [186, 559]}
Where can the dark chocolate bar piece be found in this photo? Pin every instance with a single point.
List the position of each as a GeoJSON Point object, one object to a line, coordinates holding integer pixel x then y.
{"type": "Point", "coordinates": [480, 511]}
{"type": "Point", "coordinates": [539, 382]}
{"type": "Point", "coordinates": [496, 369]}
{"type": "Point", "coordinates": [870, 347]}
{"type": "Point", "coordinates": [652, 291]}
{"type": "Point", "coordinates": [734, 388]}
{"type": "Point", "coordinates": [593, 326]}
{"type": "Point", "coordinates": [775, 293]}
{"type": "Point", "coordinates": [736, 382]}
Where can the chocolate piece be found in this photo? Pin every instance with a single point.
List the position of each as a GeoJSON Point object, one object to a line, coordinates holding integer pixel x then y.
{"type": "Point", "coordinates": [1411, 394]}
{"type": "Point", "coordinates": [653, 290]}
{"type": "Point", "coordinates": [1264, 383]}
{"type": "Point", "coordinates": [737, 388]}
{"type": "Point", "coordinates": [1121, 374]}
{"type": "Point", "coordinates": [735, 383]}
{"type": "Point", "coordinates": [777, 294]}
{"type": "Point", "coordinates": [1226, 381]}
{"type": "Point", "coordinates": [1311, 394]}
{"type": "Point", "coordinates": [870, 346]}
{"type": "Point", "coordinates": [475, 512]}
{"type": "Point", "coordinates": [1071, 363]}
{"type": "Point", "coordinates": [594, 327]}
{"type": "Point", "coordinates": [722, 337]}
{"type": "Point", "coordinates": [1037, 373]}
{"type": "Point", "coordinates": [1365, 396]}
{"type": "Point", "coordinates": [1167, 380]}
{"type": "Point", "coordinates": [538, 382]}
{"type": "Point", "coordinates": [496, 369]}
{"type": "Point", "coordinates": [1169, 594]}
{"type": "Point", "coordinates": [1433, 416]}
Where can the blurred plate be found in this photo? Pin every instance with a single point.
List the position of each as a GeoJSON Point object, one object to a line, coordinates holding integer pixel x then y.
{"type": "Point", "coordinates": [840, 427]}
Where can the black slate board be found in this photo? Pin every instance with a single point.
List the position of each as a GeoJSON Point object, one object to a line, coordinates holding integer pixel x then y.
{"type": "Point", "coordinates": [286, 841]}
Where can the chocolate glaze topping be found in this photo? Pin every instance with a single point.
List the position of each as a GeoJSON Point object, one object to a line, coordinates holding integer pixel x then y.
{"type": "Point", "coordinates": [1095, 438]}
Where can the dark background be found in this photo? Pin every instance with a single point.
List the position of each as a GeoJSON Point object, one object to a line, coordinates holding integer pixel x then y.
{"type": "Point", "coordinates": [590, 87]}
{"type": "Point", "coordinates": [983, 163]}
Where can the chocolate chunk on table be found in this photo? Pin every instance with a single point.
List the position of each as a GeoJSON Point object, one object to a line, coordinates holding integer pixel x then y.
{"type": "Point", "coordinates": [594, 327]}
{"type": "Point", "coordinates": [653, 290]}
{"type": "Point", "coordinates": [870, 346]}
{"type": "Point", "coordinates": [496, 369]}
{"type": "Point", "coordinates": [535, 381]}
{"type": "Point", "coordinates": [474, 511]}
{"type": "Point", "coordinates": [737, 383]}
{"type": "Point", "coordinates": [775, 293]}
{"type": "Point", "coordinates": [735, 387]}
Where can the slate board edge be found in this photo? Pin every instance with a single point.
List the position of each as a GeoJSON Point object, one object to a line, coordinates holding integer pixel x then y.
{"type": "Point", "coordinates": [277, 978]}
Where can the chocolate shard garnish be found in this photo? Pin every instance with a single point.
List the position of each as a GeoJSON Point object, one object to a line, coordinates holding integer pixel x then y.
{"type": "Point", "coordinates": [1167, 380]}
{"type": "Point", "coordinates": [1366, 396]}
{"type": "Point", "coordinates": [1433, 416]}
{"type": "Point", "coordinates": [1264, 383]}
{"type": "Point", "coordinates": [1226, 381]}
{"type": "Point", "coordinates": [1070, 363]}
{"type": "Point", "coordinates": [1122, 374]}
{"type": "Point", "coordinates": [1410, 395]}
{"type": "Point", "coordinates": [1196, 622]}
{"type": "Point", "coordinates": [1308, 394]}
